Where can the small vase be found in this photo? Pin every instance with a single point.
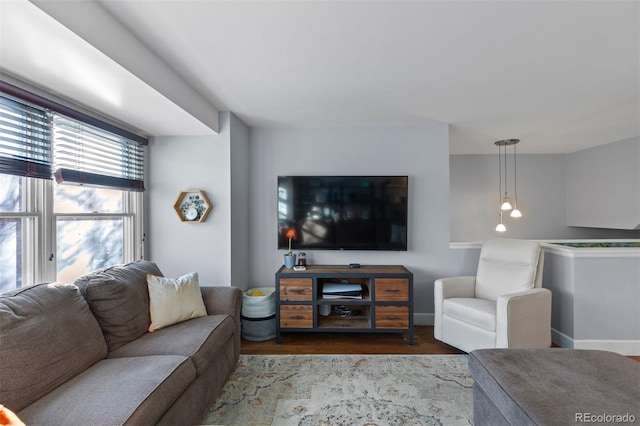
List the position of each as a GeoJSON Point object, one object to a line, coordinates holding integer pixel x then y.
{"type": "Point", "coordinates": [289, 260]}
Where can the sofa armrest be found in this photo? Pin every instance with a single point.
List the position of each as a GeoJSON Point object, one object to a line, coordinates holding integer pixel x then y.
{"type": "Point", "coordinates": [225, 300]}
{"type": "Point", "coordinates": [222, 300]}
{"type": "Point", "coordinates": [447, 288]}
{"type": "Point", "coordinates": [523, 319]}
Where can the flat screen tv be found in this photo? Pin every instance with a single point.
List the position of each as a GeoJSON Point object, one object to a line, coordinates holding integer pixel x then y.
{"type": "Point", "coordinates": [343, 212]}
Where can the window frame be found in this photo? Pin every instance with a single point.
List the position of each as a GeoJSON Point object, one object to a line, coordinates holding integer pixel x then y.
{"type": "Point", "coordinates": [33, 265]}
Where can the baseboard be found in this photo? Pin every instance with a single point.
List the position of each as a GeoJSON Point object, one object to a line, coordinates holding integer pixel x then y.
{"type": "Point", "coordinates": [422, 319]}
{"type": "Point", "coordinates": [623, 347]}
{"type": "Point", "coordinates": [561, 339]}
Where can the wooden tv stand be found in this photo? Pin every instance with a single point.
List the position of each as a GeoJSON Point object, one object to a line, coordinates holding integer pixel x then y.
{"type": "Point", "coordinates": [386, 305]}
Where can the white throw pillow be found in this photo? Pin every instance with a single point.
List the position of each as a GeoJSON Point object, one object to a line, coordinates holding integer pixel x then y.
{"type": "Point", "coordinates": [174, 300]}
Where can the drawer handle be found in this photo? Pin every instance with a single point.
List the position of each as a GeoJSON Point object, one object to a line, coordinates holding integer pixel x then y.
{"type": "Point", "coordinates": [392, 318]}
{"type": "Point", "coordinates": [296, 290]}
{"type": "Point", "coordinates": [392, 290]}
{"type": "Point", "coordinates": [296, 317]}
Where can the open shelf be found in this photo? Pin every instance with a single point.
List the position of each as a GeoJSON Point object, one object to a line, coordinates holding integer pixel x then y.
{"type": "Point", "coordinates": [192, 206]}
{"type": "Point", "coordinates": [337, 320]}
{"type": "Point", "coordinates": [364, 282]}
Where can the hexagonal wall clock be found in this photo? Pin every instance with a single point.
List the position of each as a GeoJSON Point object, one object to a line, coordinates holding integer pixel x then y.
{"type": "Point", "coordinates": [192, 206]}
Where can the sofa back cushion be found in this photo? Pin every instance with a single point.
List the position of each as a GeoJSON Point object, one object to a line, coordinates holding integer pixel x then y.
{"type": "Point", "coordinates": [119, 299]}
{"type": "Point", "coordinates": [47, 336]}
{"type": "Point", "coordinates": [506, 266]}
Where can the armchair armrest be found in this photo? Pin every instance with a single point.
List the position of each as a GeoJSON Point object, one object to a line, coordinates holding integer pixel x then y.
{"type": "Point", "coordinates": [455, 287]}
{"type": "Point", "coordinates": [448, 288]}
{"type": "Point", "coordinates": [523, 319]}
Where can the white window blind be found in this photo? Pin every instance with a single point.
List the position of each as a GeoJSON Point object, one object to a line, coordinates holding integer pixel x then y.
{"type": "Point", "coordinates": [87, 155]}
{"type": "Point", "coordinates": [25, 139]}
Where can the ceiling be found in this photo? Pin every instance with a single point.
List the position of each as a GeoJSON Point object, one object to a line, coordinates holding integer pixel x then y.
{"type": "Point", "coordinates": [559, 75]}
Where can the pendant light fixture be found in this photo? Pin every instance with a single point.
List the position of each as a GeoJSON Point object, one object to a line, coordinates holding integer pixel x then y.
{"type": "Point", "coordinates": [501, 227]}
{"type": "Point", "coordinates": [504, 198]}
{"type": "Point", "coordinates": [515, 213]}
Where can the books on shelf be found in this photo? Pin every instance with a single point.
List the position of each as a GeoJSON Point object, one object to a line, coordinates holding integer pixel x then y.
{"type": "Point", "coordinates": [341, 291]}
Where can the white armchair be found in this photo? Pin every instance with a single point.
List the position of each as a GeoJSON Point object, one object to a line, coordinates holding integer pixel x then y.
{"type": "Point", "coordinates": [503, 306]}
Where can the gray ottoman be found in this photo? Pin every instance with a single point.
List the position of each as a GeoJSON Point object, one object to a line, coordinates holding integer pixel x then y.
{"type": "Point", "coordinates": [554, 387]}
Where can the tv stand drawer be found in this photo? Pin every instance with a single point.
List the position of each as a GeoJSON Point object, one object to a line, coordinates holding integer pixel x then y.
{"type": "Point", "coordinates": [392, 289]}
{"type": "Point", "coordinates": [296, 289]}
{"type": "Point", "coordinates": [296, 316]}
{"type": "Point", "coordinates": [392, 316]}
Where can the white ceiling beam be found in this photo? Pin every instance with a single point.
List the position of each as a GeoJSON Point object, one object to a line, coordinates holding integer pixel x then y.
{"type": "Point", "coordinates": [95, 25]}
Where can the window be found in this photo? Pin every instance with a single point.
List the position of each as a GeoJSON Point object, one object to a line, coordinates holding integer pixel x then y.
{"type": "Point", "coordinates": [19, 221]}
{"type": "Point", "coordinates": [92, 226]}
{"type": "Point", "coordinates": [89, 217]}
{"type": "Point", "coordinates": [25, 139]}
{"type": "Point", "coordinates": [93, 221]}
{"type": "Point", "coordinates": [85, 154]}
{"type": "Point", "coordinates": [10, 231]}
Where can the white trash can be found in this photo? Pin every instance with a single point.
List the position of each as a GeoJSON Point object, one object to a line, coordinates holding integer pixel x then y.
{"type": "Point", "coordinates": [258, 317]}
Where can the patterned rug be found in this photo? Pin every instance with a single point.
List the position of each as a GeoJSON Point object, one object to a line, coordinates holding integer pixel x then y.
{"type": "Point", "coordinates": [346, 390]}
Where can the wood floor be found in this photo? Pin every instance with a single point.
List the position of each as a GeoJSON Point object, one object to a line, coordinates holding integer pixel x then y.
{"type": "Point", "coordinates": [350, 343]}
{"type": "Point", "coordinates": [353, 343]}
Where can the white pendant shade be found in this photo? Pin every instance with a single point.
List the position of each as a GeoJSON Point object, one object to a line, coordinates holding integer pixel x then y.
{"type": "Point", "coordinates": [506, 204]}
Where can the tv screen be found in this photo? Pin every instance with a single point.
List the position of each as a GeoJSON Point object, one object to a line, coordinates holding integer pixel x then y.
{"type": "Point", "coordinates": [343, 212]}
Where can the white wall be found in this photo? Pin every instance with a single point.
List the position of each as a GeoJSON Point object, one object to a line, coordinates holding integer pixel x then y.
{"type": "Point", "coordinates": [421, 152]}
{"type": "Point", "coordinates": [101, 29]}
{"type": "Point", "coordinates": [177, 163]}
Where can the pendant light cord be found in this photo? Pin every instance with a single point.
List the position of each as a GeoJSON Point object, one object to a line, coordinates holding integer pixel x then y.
{"type": "Point", "coordinates": [499, 175]}
{"type": "Point", "coordinates": [506, 191]}
{"type": "Point", "coordinates": [515, 175]}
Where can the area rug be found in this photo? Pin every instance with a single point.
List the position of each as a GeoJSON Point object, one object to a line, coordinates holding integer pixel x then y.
{"type": "Point", "coordinates": [346, 390]}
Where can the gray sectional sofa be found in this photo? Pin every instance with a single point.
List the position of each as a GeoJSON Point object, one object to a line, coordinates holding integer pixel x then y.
{"type": "Point", "coordinates": [553, 387]}
{"type": "Point", "coordinates": [81, 354]}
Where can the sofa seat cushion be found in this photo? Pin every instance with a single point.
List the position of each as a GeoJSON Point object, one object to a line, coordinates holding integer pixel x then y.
{"type": "Point", "coordinates": [478, 312]}
{"type": "Point", "coordinates": [119, 299]}
{"type": "Point", "coordinates": [47, 336]}
{"type": "Point", "coordinates": [199, 339]}
{"type": "Point", "coordinates": [115, 392]}
{"type": "Point", "coordinates": [554, 386]}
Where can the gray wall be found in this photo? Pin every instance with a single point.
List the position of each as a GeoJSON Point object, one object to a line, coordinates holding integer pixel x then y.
{"type": "Point", "coordinates": [238, 170]}
{"type": "Point", "coordinates": [546, 184]}
{"type": "Point", "coordinates": [606, 298]}
{"type": "Point", "coordinates": [603, 186]}
{"type": "Point", "coordinates": [475, 198]}
{"type": "Point", "coordinates": [240, 205]}
{"type": "Point", "coordinates": [559, 277]}
{"type": "Point", "coordinates": [595, 298]}
{"type": "Point", "coordinates": [421, 152]}
{"type": "Point", "coordinates": [178, 163]}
